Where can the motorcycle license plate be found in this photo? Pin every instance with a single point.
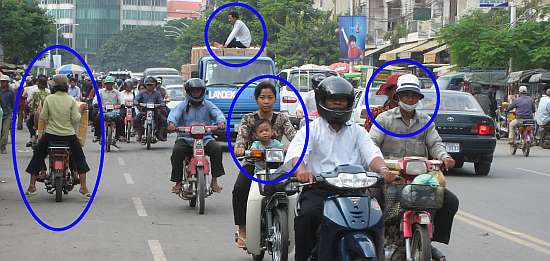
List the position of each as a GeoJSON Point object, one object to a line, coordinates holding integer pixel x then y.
{"type": "Point", "coordinates": [150, 106]}
{"type": "Point", "coordinates": [452, 147]}
{"type": "Point", "coordinates": [109, 107]}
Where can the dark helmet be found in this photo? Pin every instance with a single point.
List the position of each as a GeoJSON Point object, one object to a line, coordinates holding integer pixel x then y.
{"type": "Point", "coordinates": [195, 83]}
{"type": "Point", "coordinates": [150, 80]}
{"type": "Point", "coordinates": [128, 82]}
{"type": "Point", "coordinates": [316, 79]}
{"type": "Point", "coordinates": [334, 87]}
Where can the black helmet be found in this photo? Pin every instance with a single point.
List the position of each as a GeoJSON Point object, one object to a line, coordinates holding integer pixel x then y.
{"type": "Point", "coordinates": [150, 80]}
{"type": "Point", "coordinates": [316, 79]}
{"type": "Point", "coordinates": [195, 83]}
{"type": "Point", "coordinates": [334, 87]}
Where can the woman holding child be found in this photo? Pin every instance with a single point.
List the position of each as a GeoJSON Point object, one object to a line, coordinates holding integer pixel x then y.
{"type": "Point", "coordinates": [277, 124]}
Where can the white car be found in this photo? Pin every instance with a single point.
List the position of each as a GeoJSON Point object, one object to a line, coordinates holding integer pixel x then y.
{"type": "Point", "coordinates": [176, 94]}
{"type": "Point", "coordinates": [300, 78]}
{"type": "Point", "coordinates": [359, 114]}
{"type": "Point", "coordinates": [168, 80]}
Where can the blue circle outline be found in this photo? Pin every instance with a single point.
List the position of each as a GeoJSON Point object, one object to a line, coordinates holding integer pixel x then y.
{"type": "Point", "coordinates": [207, 42]}
{"type": "Point", "coordinates": [14, 154]}
{"type": "Point", "coordinates": [228, 129]}
{"type": "Point", "coordinates": [436, 109]}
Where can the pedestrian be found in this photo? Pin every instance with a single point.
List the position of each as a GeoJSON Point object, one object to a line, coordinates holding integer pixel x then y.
{"type": "Point", "coordinates": [240, 35]}
{"type": "Point", "coordinates": [7, 101]}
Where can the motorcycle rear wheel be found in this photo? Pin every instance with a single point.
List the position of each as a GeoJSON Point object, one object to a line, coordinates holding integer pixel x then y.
{"type": "Point", "coordinates": [201, 189]}
{"type": "Point", "coordinates": [280, 243]}
{"type": "Point", "coordinates": [513, 149]}
{"type": "Point", "coordinates": [421, 245]}
{"type": "Point", "coordinates": [526, 149]}
{"type": "Point", "coordinates": [58, 185]}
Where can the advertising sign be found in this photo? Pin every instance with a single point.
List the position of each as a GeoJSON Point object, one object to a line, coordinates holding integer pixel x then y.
{"type": "Point", "coordinates": [352, 34]}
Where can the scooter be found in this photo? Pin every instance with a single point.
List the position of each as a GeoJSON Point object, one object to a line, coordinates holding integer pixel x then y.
{"type": "Point", "coordinates": [544, 133]}
{"type": "Point", "coordinates": [197, 168]}
{"type": "Point", "coordinates": [409, 206]}
{"type": "Point", "coordinates": [524, 137]}
{"type": "Point", "coordinates": [270, 209]}
{"type": "Point", "coordinates": [60, 178]}
{"type": "Point", "coordinates": [351, 214]}
{"type": "Point", "coordinates": [149, 123]}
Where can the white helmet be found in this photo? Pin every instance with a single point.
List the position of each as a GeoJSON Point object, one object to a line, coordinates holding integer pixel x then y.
{"type": "Point", "coordinates": [523, 89]}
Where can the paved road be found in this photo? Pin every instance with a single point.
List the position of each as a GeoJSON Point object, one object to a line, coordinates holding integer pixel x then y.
{"type": "Point", "coordinates": [134, 217]}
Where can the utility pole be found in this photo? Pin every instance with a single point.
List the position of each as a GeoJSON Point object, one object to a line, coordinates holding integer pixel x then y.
{"type": "Point", "coordinates": [512, 23]}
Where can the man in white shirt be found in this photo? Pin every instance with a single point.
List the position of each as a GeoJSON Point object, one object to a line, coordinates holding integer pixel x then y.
{"type": "Point", "coordinates": [111, 96]}
{"type": "Point", "coordinates": [543, 111]}
{"type": "Point", "coordinates": [333, 140]}
{"type": "Point", "coordinates": [240, 35]}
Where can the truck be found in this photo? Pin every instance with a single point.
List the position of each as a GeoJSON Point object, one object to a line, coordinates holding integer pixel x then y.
{"type": "Point", "coordinates": [223, 82]}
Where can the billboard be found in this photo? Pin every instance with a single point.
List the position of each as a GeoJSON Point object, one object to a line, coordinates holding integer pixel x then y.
{"type": "Point", "coordinates": [493, 3]}
{"type": "Point", "coordinates": [352, 35]}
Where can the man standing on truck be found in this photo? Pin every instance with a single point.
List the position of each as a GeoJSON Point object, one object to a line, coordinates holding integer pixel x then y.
{"type": "Point", "coordinates": [240, 35]}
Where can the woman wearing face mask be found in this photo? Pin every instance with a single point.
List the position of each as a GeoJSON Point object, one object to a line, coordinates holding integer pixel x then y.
{"type": "Point", "coordinates": [388, 89]}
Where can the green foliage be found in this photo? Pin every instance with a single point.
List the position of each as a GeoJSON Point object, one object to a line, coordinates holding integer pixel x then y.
{"type": "Point", "coordinates": [24, 30]}
{"type": "Point", "coordinates": [136, 49]}
{"type": "Point", "coordinates": [484, 40]}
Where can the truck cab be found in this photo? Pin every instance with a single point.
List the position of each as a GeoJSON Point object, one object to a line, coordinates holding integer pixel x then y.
{"type": "Point", "coordinates": [223, 83]}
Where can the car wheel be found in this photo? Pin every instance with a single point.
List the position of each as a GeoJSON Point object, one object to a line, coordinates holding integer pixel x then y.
{"type": "Point", "coordinates": [482, 168]}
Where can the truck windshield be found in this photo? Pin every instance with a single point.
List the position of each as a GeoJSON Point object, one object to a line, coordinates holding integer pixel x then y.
{"type": "Point", "coordinates": [217, 74]}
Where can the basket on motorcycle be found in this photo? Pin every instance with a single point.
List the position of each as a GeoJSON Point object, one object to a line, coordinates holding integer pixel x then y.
{"type": "Point", "coordinates": [267, 190]}
{"type": "Point", "coordinates": [426, 197]}
{"type": "Point", "coordinates": [112, 115]}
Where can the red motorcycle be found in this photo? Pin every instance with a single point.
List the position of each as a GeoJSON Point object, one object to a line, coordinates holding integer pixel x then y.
{"type": "Point", "coordinates": [524, 137]}
{"type": "Point", "coordinates": [197, 168]}
{"type": "Point", "coordinates": [60, 178]}
{"type": "Point", "coordinates": [409, 209]}
{"type": "Point", "coordinates": [129, 120]}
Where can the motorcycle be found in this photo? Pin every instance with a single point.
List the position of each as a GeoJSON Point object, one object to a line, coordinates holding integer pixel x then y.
{"type": "Point", "coordinates": [409, 207]}
{"type": "Point", "coordinates": [149, 125]}
{"type": "Point", "coordinates": [544, 139]}
{"type": "Point", "coordinates": [197, 168]}
{"type": "Point", "coordinates": [60, 178]}
{"type": "Point", "coordinates": [128, 121]}
{"type": "Point", "coordinates": [111, 115]}
{"type": "Point", "coordinates": [354, 216]}
{"type": "Point", "coordinates": [270, 209]}
{"type": "Point", "coordinates": [524, 137]}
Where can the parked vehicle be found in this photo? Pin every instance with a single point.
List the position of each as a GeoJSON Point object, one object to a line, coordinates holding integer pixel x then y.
{"type": "Point", "coordinates": [197, 168]}
{"type": "Point", "coordinates": [60, 178]}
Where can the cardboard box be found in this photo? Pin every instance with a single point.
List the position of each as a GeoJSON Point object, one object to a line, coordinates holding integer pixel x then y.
{"type": "Point", "coordinates": [233, 52]}
{"type": "Point", "coordinates": [187, 69]}
{"type": "Point", "coordinates": [198, 52]}
{"type": "Point", "coordinates": [253, 51]}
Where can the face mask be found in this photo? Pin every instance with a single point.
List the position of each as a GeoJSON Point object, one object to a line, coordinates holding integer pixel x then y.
{"type": "Point", "coordinates": [407, 107]}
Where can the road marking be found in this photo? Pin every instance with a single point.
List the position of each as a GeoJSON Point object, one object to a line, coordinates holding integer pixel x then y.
{"type": "Point", "coordinates": [156, 250]}
{"type": "Point", "coordinates": [139, 207]}
{"type": "Point", "coordinates": [121, 161]}
{"type": "Point", "coordinates": [128, 179]}
{"type": "Point", "coordinates": [504, 232]}
{"type": "Point", "coordinates": [534, 172]}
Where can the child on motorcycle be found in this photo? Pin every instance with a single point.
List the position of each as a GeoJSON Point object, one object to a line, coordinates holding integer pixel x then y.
{"type": "Point", "coordinates": [264, 132]}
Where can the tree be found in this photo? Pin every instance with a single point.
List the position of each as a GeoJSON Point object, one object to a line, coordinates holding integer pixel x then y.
{"type": "Point", "coordinates": [136, 49]}
{"type": "Point", "coordinates": [485, 39]}
{"type": "Point", "coordinates": [24, 30]}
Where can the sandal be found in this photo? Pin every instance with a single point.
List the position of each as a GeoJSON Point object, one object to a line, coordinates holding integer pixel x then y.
{"type": "Point", "coordinates": [216, 188]}
{"type": "Point", "coordinates": [437, 255]}
{"type": "Point", "coordinates": [239, 241]}
{"type": "Point", "coordinates": [176, 189]}
{"type": "Point", "coordinates": [86, 195]}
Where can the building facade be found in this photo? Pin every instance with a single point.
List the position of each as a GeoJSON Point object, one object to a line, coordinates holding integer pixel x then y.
{"type": "Point", "coordinates": [185, 9]}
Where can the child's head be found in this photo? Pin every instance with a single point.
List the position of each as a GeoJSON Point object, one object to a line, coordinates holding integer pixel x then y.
{"type": "Point", "coordinates": [263, 130]}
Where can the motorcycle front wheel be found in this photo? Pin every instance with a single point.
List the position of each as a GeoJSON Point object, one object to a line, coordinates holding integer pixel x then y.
{"type": "Point", "coordinates": [421, 245]}
{"type": "Point", "coordinates": [280, 240]}
{"type": "Point", "coordinates": [128, 131]}
{"type": "Point", "coordinates": [201, 189]}
{"type": "Point", "coordinates": [109, 135]}
{"type": "Point", "coordinates": [148, 136]}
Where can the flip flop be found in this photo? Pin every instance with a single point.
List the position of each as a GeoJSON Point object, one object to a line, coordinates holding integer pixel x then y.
{"type": "Point", "coordinates": [30, 194]}
{"type": "Point", "coordinates": [216, 189]}
{"type": "Point", "coordinates": [176, 190]}
{"type": "Point", "coordinates": [85, 195]}
{"type": "Point", "coordinates": [239, 241]}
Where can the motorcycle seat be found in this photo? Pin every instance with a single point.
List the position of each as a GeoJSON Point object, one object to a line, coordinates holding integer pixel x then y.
{"type": "Point", "coordinates": [58, 145]}
{"type": "Point", "coordinates": [527, 122]}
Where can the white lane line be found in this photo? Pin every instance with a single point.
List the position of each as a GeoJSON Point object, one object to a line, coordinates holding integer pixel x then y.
{"type": "Point", "coordinates": [128, 179]}
{"type": "Point", "coordinates": [534, 172]}
{"type": "Point", "coordinates": [121, 161]}
{"type": "Point", "coordinates": [156, 250]}
{"type": "Point", "coordinates": [139, 207]}
{"type": "Point", "coordinates": [504, 232]}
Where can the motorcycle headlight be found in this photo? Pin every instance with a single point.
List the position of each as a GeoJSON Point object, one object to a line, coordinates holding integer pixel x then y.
{"type": "Point", "coordinates": [415, 168]}
{"type": "Point", "coordinates": [150, 105]}
{"type": "Point", "coordinates": [274, 156]}
{"type": "Point", "coordinates": [355, 180]}
{"type": "Point", "coordinates": [198, 129]}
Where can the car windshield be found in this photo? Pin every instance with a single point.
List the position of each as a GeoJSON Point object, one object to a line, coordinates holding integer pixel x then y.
{"type": "Point", "coordinates": [450, 101]}
{"type": "Point", "coordinates": [168, 80]}
{"type": "Point", "coordinates": [301, 80]}
{"type": "Point", "coordinates": [221, 74]}
{"type": "Point", "coordinates": [374, 99]}
{"type": "Point", "coordinates": [176, 94]}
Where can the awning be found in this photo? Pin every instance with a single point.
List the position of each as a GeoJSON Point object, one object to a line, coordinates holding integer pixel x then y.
{"type": "Point", "coordinates": [535, 78]}
{"type": "Point", "coordinates": [392, 55]}
{"type": "Point", "coordinates": [421, 48]}
{"type": "Point", "coordinates": [431, 56]}
{"type": "Point", "coordinates": [374, 51]}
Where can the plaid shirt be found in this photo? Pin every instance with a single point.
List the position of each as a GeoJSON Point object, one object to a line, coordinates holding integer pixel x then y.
{"type": "Point", "coordinates": [37, 99]}
{"type": "Point", "coordinates": [281, 126]}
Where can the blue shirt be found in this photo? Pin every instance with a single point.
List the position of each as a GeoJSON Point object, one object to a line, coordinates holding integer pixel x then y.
{"type": "Point", "coordinates": [7, 101]}
{"type": "Point", "coordinates": [149, 97]}
{"type": "Point", "coordinates": [206, 113]}
{"type": "Point", "coordinates": [524, 107]}
{"type": "Point", "coordinates": [74, 92]}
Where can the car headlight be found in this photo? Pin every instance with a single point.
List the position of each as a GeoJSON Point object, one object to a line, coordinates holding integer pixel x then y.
{"type": "Point", "coordinates": [274, 156]}
{"type": "Point", "coordinates": [355, 180]}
